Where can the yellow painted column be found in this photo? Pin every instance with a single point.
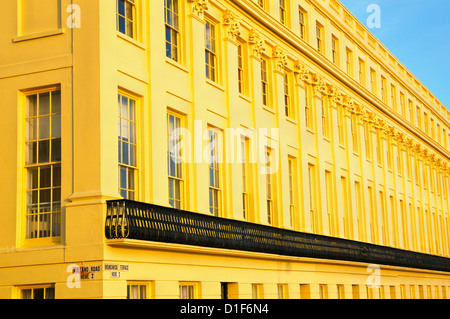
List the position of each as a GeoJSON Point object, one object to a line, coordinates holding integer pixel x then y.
{"type": "Point", "coordinates": [158, 184]}
{"type": "Point", "coordinates": [200, 174]}
{"type": "Point", "coordinates": [259, 201]}
{"type": "Point", "coordinates": [94, 121]}
{"type": "Point", "coordinates": [282, 218]}
{"type": "Point", "coordinates": [232, 136]}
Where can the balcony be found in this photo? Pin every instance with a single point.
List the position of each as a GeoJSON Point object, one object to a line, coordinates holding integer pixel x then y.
{"type": "Point", "coordinates": [127, 219]}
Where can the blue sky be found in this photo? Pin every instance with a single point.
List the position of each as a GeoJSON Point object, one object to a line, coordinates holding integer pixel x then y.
{"type": "Point", "coordinates": [417, 33]}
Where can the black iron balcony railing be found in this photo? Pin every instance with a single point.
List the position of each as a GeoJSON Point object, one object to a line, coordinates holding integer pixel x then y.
{"type": "Point", "coordinates": [135, 220]}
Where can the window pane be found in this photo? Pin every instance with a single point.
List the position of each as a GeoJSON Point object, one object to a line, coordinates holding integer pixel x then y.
{"type": "Point", "coordinates": [31, 153]}
{"type": "Point", "coordinates": [123, 177]}
{"type": "Point", "coordinates": [125, 153]}
{"type": "Point", "coordinates": [129, 27]}
{"type": "Point", "coordinates": [122, 24]}
{"type": "Point", "coordinates": [56, 102]}
{"type": "Point", "coordinates": [44, 103]}
{"type": "Point", "coordinates": [44, 225]}
{"type": "Point", "coordinates": [44, 151]}
{"type": "Point", "coordinates": [133, 160]}
{"type": "Point", "coordinates": [56, 175]}
{"type": "Point", "coordinates": [45, 200]}
{"type": "Point", "coordinates": [32, 179]}
{"type": "Point", "coordinates": [26, 294]}
{"type": "Point", "coordinates": [44, 127]}
{"type": "Point", "coordinates": [31, 129]}
{"type": "Point", "coordinates": [50, 293]}
{"type": "Point", "coordinates": [121, 7]}
{"type": "Point", "coordinates": [131, 179]}
{"type": "Point", "coordinates": [32, 202]}
{"type": "Point", "coordinates": [56, 197]}
{"type": "Point", "coordinates": [45, 177]}
{"type": "Point", "coordinates": [38, 293]}
{"type": "Point", "coordinates": [129, 11]}
{"type": "Point", "coordinates": [32, 105]}
{"type": "Point", "coordinates": [56, 125]}
{"type": "Point", "coordinates": [143, 292]}
{"type": "Point", "coordinates": [56, 150]}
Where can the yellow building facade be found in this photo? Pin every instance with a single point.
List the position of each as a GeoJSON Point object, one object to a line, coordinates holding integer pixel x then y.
{"type": "Point", "coordinates": [216, 149]}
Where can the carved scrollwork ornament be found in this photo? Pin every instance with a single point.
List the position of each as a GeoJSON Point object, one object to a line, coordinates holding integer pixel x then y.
{"type": "Point", "coordinates": [302, 72]}
{"type": "Point", "coordinates": [231, 20]}
{"type": "Point", "coordinates": [338, 98]}
{"type": "Point", "coordinates": [199, 7]}
{"type": "Point", "coordinates": [322, 85]}
{"type": "Point", "coordinates": [256, 42]}
{"type": "Point", "coordinates": [280, 58]}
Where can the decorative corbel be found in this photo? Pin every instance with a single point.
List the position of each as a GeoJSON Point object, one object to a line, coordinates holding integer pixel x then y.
{"type": "Point", "coordinates": [199, 7]}
{"type": "Point", "coordinates": [231, 20]}
{"type": "Point", "coordinates": [280, 58]}
{"type": "Point", "coordinates": [256, 42]}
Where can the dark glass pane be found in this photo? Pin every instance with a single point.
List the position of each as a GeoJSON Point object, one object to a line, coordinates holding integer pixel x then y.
{"type": "Point", "coordinates": [56, 200]}
{"type": "Point", "coordinates": [133, 157]}
{"type": "Point", "coordinates": [130, 179]}
{"type": "Point", "coordinates": [32, 202]}
{"type": "Point", "coordinates": [122, 25]}
{"type": "Point", "coordinates": [125, 153]}
{"type": "Point", "coordinates": [121, 7]}
{"type": "Point", "coordinates": [168, 50]}
{"type": "Point", "coordinates": [56, 224]}
{"type": "Point", "coordinates": [38, 293]}
{"type": "Point", "coordinates": [56, 102]}
{"type": "Point", "coordinates": [31, 153]}
{"type": "Point", "coordinates": [32, 179]}
{"type": "Point", "coordinates": [123, 177]}
{"type": "Point", "coordinates": [50, 293]}
{"type": "Point", "coordinates": [130, 31]}
{"type": "Point", "coordinates": [56, 150]}
{"type": "Point", "coordinates": [129, 11]}
{"type": "Point", "coordinates": [56, 125]}
{"type": "Point", "coordinates": [26, 294]}
{"type": "Point", "coordinates": [44, 151]}
{"type": "Point", "coordinates": [45, 177]}
{"type": "Point", "coordinates": [56, 176]}
{"type": "Point", "coordinates": [45, 200]}
{"type": "Point", "coordinates": [120, 152]}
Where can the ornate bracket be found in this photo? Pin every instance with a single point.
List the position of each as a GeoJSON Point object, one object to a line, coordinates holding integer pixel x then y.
{"type": "Point", "coordinates": [199, 7]}
{"type": "Point", "coordinates": [256, 42]}
{"type": "Point", "coordinates": [280, 58]}
{"type": "Point", "coordinates": [231, 20]}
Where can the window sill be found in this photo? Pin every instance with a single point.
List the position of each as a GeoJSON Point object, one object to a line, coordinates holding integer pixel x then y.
{"type": "Point", "coordinates": [177, 65]}
{"type": "Point", "coordinates": [291, 120]}
{"type": "Point", "coordinates": [216, 85]}
{"type": "Point", "coordinates": [245, 97]}
{"type": "Point", "coordinates": [309, 130]}
{"type": "Point", "coordinates": [39, 35]}
{"type": "Point", "coordinates": [131, 40]}
{"type": "Point", "coordinates": [268, 109]}
{"type": "Point", "coordinates": [41, 242]}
